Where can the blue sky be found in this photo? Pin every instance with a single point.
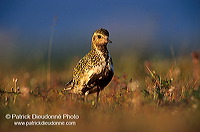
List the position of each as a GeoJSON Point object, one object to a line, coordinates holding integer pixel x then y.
{"type": "Point", "coordinates": [27, 23]}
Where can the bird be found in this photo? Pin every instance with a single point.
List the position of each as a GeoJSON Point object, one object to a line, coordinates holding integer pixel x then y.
{"type": "Point", "coordinates": [95, 70]}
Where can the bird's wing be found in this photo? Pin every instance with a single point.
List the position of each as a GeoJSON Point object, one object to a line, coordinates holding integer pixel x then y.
{"type": "Point", "coordinates": [90, 72]}
{"type": "Point", "coordinates": [85, 70]}
{"type": "Point", "coordinates": [81, 67]}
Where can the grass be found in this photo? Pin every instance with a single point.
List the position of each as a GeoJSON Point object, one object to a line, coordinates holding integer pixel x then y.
{"type": "Point", "coordinates": [158, 95]}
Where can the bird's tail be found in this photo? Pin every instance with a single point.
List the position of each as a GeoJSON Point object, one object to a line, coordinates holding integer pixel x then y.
{"type": "Point", "coordinates": [68, 86]}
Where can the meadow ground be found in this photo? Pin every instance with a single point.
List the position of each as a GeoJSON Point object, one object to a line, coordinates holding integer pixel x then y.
{"type": "Point", "coordinates": [158, 95]}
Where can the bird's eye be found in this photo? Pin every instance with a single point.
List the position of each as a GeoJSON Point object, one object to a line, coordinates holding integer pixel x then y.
{"type": "Point", "coordinates": [99, 36]}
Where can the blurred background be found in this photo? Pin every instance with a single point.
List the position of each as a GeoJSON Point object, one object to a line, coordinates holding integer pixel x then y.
{"type": "Point", "coordinates": [147, 35]}
{"type": "Point", "coordinates": [147, 28]}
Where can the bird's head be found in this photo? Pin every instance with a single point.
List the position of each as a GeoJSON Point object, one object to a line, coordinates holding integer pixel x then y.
{"type": "Point", "coordinates": [100, 38]}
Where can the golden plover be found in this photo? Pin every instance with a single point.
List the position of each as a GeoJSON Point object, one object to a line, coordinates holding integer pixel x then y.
{"type": "Point", "coordinates": [95, 70]}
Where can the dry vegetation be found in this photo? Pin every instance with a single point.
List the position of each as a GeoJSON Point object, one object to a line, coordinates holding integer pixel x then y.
{"type": "Point", "coordinates": [164, 98]}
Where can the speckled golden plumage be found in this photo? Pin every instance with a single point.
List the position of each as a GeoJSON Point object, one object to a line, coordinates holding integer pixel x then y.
{"type": "Point", "coordinates": [95, 70]}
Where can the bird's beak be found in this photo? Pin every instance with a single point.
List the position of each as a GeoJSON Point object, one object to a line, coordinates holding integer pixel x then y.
{"type": "Point", "coordinates": [109, 41]}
